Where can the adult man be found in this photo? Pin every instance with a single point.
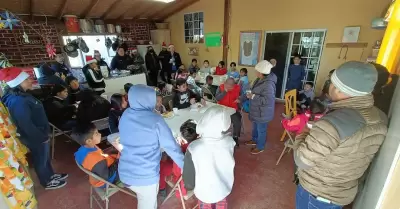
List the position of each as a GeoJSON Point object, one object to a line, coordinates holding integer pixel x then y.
{"type": "Point", "coordinates": [228, 95]}
{"type": "Point", "coordinates": [59, 66]}
{"type": "Point", "coordinates": [138, 62]}
{"type": "Point", "coordinates": [333, 156]}
{"type": "Point", "coordinates": [164, 57]}
{"type": "Point", "coordinates": [152, 65]}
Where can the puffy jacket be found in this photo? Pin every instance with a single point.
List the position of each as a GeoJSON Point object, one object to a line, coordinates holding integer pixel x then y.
{"type": "Point", "coordinates": [262, 105]}
{"type": "Point", "coordinates": [228, 98]}
{"type": "Point", "coordinates": [28, 115]}
{"type": "Point", "coordinates": [334, 155]}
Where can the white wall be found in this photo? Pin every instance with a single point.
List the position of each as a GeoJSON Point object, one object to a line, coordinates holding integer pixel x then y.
{"type": "Point", "coordinates": [383, 165]}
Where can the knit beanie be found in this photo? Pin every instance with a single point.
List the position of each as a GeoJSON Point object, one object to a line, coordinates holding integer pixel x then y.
{"type": "Point", "coordinates": [355, 78]}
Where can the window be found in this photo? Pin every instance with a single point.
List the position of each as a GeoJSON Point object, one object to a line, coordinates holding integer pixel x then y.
{"type": "Point", "coordinates": [194, 27]}
{"type": "Point", "coordinates": [93, 43]}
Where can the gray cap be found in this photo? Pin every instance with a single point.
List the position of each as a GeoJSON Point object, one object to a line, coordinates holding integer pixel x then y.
{"type": "Point", "coordinates": [355, 78]}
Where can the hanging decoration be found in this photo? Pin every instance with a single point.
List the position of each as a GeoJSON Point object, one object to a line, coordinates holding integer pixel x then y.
{"type": "Point", "coordinates": [26, 38]}
{"type": "Point", "coordinates": [51, 51]}
{"type": "Point", "coordinates": [8, 20]}
{"type": "Point", "coordinates": [4, 61]}
{"type": "Point", "coordinates": [2, 25]}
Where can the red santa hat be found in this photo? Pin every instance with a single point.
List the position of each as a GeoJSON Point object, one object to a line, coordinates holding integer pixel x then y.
{"type": "Point", "coordinates": [13, 76]}
{"type": "Point", "coordinates": [90, 60]}
{"type": "Point", "coordinates": [170, 46]}
{"type": "Point", "coordinates": [134, 49]}
{"type": "Point", "coordinates": [164, 45]}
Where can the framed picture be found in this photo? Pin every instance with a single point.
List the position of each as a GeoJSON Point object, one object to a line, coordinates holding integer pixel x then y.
{"type": "Point", "coordinates": [350, 34]}
{"type": "Point", "coordinates": [193, 51]}
{"type": "Point", "coordinates": [249, 47]}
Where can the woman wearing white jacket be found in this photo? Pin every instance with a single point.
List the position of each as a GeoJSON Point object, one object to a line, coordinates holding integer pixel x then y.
{"type": "Point", "coordinates": [212, 157]}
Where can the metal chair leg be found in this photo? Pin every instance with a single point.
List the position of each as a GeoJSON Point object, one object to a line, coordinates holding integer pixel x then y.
{"type": "Point", "coordinates": [91, 197]}
{"type": "Point", "coordinates": [283, 136]}
{"type": "Point", "coordinates": [53, 143]}
{"type": "Point", "coordinates": [181, 195]}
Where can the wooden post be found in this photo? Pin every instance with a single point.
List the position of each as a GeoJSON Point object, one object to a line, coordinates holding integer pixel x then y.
{"type": "Point", "coordinates": [225, 35]}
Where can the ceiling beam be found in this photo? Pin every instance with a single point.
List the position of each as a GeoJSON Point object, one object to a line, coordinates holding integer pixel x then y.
{"type": "Point", "coordinates": [62, 9]}
{"type": "Point", "coordinates": [132, 7]}
{"type": "Point", "coordinates": [89, 9]}
{"type": "Point", "coordinates": [31, 6]}
{"type": "Point", "coordinates": [144, 9]}
{"type": "Point", "coordinates": [177, 9]}
{"type": "Point", "coordinates": [112, 7]}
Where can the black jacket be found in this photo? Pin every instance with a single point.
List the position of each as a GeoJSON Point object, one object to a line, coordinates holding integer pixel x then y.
{"type": "Point", "coordinates": [178, 61]}
{"type": "Point", "coordinates": [92, 107]}
{"type": "Point", "coordinates": [58, 111]}
{"type": "Point", "coordinates": [121, 62]}
{"type": "Point", "coordinates": [74, 95]}
{"type": "Point", "coordinates": [113, 120]}
{"type": "Point", "coordinates": [164, 57]}
{"type": "Point", "coordinates": [182, 99]}
{"type": "Point", "coordinates": [94, 78]}
{"type": "Point", "coordinates": [152, 63]}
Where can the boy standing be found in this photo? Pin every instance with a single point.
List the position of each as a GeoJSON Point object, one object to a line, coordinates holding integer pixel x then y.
{"type": "Point", "coordinates": [212, 158]}
{"type": "Point", "coordinates": [296, 74]}
{"type": "Point", "coordinates": [92, 157]}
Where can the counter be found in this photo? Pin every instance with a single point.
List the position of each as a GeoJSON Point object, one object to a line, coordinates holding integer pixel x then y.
{"type": "Point", "coordinates": [116, 84]}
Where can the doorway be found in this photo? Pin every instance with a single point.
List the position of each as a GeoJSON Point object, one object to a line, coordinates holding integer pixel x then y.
{"type": "Point", "coordinates": [282, 45]}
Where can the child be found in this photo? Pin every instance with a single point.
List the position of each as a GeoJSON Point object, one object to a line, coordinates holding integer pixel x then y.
{"type": "Point", "coordinates": [209, 85]}
{"type": "Point", "coordinates": [298, 123]}
{"type": "Point", "coordinates": [74, 89]}
{"type": "Point", "coordinates": [92, 157]}
{"type": "Point", "coordinates": [306, 95]}
{"type": "Point", "coordinates": [212, 158]}
{"type": "Point", "coordinates": [296, 74]}
{"type": "Point", "coordinates": [187, 135]}
{"type": "Point", "coordinates": [206, 67]}
{"type": "Point", "coordinates": [160, 108]}
{"type": "Point", "coordinates": [243, 81]}
{"type": "Point", "coordinates": [184, 97]}
{"type": "Point", "coordinates": [118, 105]}
{"type": "Point", "coordinates": [127, 86]}
{"type": "Point", "coordinates": [193, 68]}
{"type": "Point", "coordinates": [220, 70]}
{"type": "Point", "coordinates": [182, 73]}
{"type": "Point", "coordinates": [191, 81]}
{"type": "Point", "coordinates": [232, 71]}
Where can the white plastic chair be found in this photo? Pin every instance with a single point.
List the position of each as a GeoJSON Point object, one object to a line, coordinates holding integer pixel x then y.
{"type": "Point", "coordinates": [103, 194]}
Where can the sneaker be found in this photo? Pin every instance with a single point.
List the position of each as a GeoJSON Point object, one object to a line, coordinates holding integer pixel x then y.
{"type": "Point", "coordinates": [55, 184]}
{"type": "Point", "coordinates": [59, 176]}
{"type": "Point", "coordinates": [250, 143]}
{"type": "Point", "coordinates": [256, 151]}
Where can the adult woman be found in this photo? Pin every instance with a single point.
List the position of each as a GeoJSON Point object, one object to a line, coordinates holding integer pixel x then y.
{"type": "Point", "coordinates": [262, 104]}
{"type": "Point", "coordinates": [118, 105]}
{"type": "Point", "coordinates": [121, 60]}
{"type": "Point", "coordinates": [32, 124]}
{"type": "Point", "coordinates": [57, 109]}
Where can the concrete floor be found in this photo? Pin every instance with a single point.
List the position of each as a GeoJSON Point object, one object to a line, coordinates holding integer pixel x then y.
{"type": "Point", "coordinates": [259, 183]}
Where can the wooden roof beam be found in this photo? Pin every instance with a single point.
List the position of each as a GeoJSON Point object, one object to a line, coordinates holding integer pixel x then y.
{"type": "Point", "coordinates": [142, 8]}
{"type": "Point", "coordinates": [122, 16]}
{"type": "Point", "coordinates": [31, 6]}
{"type": "Point", "coordinates": [62, 9]}
{"type": "Point", "coordinates": [89, 9]}
{"type": "Point", "coordinates": [167, 7]}
{"type": "Point", "coordinates": [177, 9]}
{"type": "Point", "coordinates": [112, 7]}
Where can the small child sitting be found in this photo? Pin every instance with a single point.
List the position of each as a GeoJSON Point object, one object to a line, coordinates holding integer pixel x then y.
{"type": "Point", "coordinates": [299, 122]}
{"type": "Point", "coordinates": [193, 68]}
{"type": "Point", "coordinates": [220, 69]}
{"type": "Point", "coordinates": [209, 85]}
{"type": "Point", "coordinates": [182, 73]}
{"type": "Point", "coordinates": [211, 156]}
{"type": "Point", "coordinates": [184, 97]}
{"type": "Point", "coordinates": [306, 95]}
{"type": "Point", "coordinates": [187, 135]}
{"type": "Point", "coordinates": [206, 67]}
{"type": "Point", "coordinates": [191, 81]}
{"type": "Point", "coordinates": [233, 73]}
{"type": "Point", "coordinates": [160, 108]}
{"type": "Point", "coordinates": [92, 157]}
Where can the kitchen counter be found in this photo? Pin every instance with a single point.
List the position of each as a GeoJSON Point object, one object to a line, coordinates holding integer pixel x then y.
{"type": "Point", "coordinates": [115, 84]}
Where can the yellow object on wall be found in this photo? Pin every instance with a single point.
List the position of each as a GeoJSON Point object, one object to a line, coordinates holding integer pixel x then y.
{"type": "Point", "coordinates": [272, 15]}
{"type": "Point", "coordinates": [389, 52]}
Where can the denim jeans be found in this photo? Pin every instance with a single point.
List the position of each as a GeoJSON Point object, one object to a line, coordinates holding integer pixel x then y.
{"type": "Point", "coordinates": [305, 200]}
{"type": "Point", "coordinates": [41, 162]}
{"type": "Point", "coordinates": [259, 134]}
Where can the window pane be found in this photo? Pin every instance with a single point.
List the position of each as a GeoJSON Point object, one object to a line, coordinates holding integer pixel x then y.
{"type": "Point", "coordinates": [187, 17]}
{"type": "Point", "coordinates": [201, 15]}
{"type": "Point", "coordinates": [296, 38]}
{"type": "Point", "coordinates": [188, 25]}
{"type": "Point", "coordinates": [186, 32]}
{"type": "Point", "coordinates": [196, 16]}
{"type": "Point", "coordinates": [196, 24]}
{"type": "Point", "coordinates": [197, 32]}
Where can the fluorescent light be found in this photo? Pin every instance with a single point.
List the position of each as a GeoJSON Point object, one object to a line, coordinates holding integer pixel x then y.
{"type": "Point", "coordinates": [165, 1]}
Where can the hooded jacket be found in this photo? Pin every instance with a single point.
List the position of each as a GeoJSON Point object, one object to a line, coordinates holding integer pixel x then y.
{"type": "Point", "coordinates": [262, 105]}
{"type": "Point", "coordinates": [143, 133]}
{"type": "Point", "coordinates": [212, 156]}
{"type": "Point", "coordinates": [28, 115]}
{"type": "Point", "coordinates": [47, 77]}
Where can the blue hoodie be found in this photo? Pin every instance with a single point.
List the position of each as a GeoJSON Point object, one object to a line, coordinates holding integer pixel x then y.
{"type": "Point", "coordinates": [142, 134]}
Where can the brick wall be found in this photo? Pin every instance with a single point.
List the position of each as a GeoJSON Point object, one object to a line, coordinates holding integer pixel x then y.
{"type": "Point", "coordinates": [21, 54]}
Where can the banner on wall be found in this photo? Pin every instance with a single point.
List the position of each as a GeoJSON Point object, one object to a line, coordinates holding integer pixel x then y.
{"type": "Point", "coordinates": [213, 39]}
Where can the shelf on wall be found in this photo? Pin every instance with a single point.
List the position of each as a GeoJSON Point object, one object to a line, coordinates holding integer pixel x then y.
{"type": "Point", "coordinates": [349, 45]}
{"type": "Point", "coordinates": [89, 34]}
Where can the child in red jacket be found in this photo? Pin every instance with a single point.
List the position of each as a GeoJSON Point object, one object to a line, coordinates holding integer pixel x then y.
{"type": "Point", "coordinates": [221, 69]}
{"type": "Point", "coordinates": [167, 167]}
{"type": "Point", "coordinates": [298, 122]}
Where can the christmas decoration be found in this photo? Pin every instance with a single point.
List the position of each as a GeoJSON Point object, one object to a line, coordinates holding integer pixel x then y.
{"type": "Point", "coordinates": [4, 61]}
{"type": "Point", "coordinates": [26, 38]}
{"type": "Point", "coordinates": [51, 51]}
{"type": "Point", "coordinates": [8, 20]}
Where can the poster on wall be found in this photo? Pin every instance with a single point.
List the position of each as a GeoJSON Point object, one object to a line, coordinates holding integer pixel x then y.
{"type": "Point", "coordinates": [213, 39]}
{"type": "Point", "coordinates": [249, 47]}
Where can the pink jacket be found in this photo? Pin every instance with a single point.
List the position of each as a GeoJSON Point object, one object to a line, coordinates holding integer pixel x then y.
{"type": "Point", "coordinates": [298, 123]}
